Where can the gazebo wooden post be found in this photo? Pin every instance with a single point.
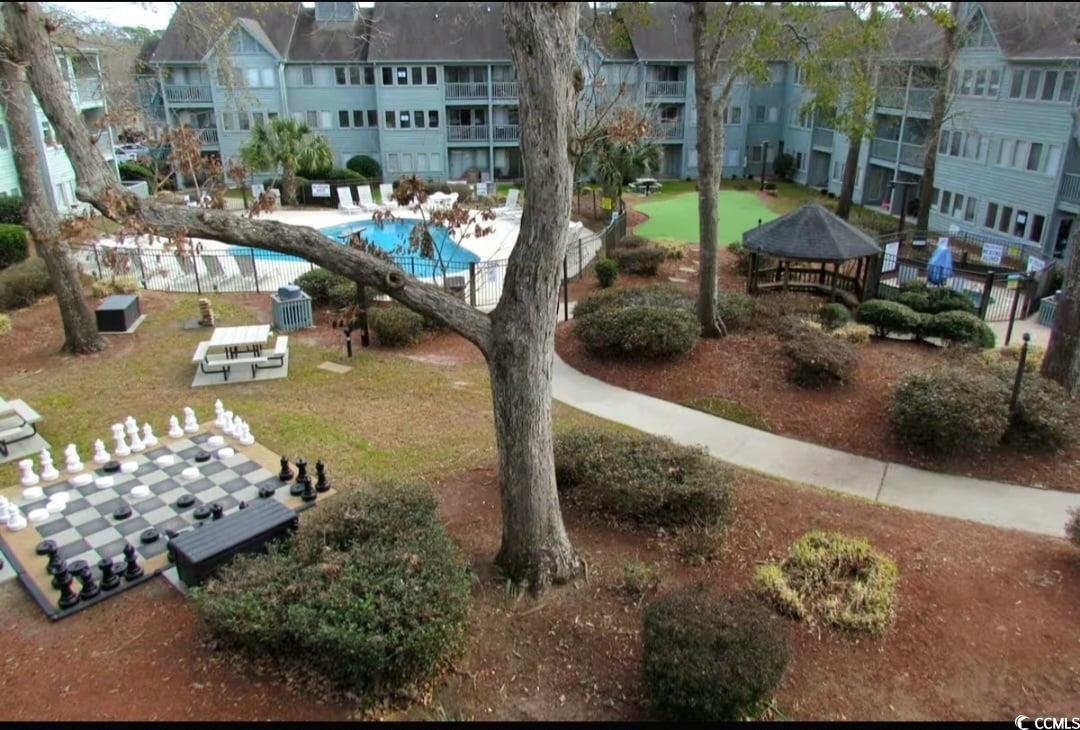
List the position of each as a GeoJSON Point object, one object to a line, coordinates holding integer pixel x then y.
{"type": "Point", "coordinates": [858, 278]}
{"type": "Point", "coordinates": [786, 274]}
{"type": "Point", "coordinates": [835, 277]}
{"type": "Point", "coordinates": [821, 275]}
{"type": "Point", "coordinates": [751, 283]}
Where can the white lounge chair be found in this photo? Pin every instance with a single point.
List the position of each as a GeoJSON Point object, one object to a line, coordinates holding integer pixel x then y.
{"type": "Point", "coordinates": [511, 207]}
{"type": "Point", "coordinates": [365, 199]}
{"type": "Point", "coordinates": [345, 201]}
{"type": "Point", "coordinates": [386, 192]}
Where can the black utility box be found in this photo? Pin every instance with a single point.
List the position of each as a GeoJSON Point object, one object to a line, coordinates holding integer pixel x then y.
{"type": "Point", "coordinates": [199, 552]}
{"type": "Point", "coordinates": [117, 313]}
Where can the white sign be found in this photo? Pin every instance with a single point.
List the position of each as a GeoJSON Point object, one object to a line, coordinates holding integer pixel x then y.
{"type": "Point", "coordinates": [919, 243]}
{"type": "Point", "coordinates": [1035, 265]}
{"type": "Point", "coordinates": [320, 190]}
{"type": "Point", "coordinates": [992, 253]}
{"type": "Point", "coordinates": [888, 261]}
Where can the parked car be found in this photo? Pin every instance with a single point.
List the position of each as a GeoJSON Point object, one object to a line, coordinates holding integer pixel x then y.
{"type": "Point", "coordinates": [131, 152]}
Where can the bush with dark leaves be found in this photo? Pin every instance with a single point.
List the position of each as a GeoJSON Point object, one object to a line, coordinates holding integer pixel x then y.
{"type": "Point", "coordinates": [950, 411]}
{"type": "Point", "coordinates": [818, 360]}
{"type": "Point", "coordinates": [642, 261]}
{"type": "Point", "coordinates": [652, 333]}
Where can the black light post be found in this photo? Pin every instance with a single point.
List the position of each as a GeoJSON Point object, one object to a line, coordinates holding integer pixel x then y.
{"type": "Point", "coordinates": [764, 157]}
{"type": "Point", "coordinates": [904, 185]}
{"type": "Point", "coordinates": [1019, 374]}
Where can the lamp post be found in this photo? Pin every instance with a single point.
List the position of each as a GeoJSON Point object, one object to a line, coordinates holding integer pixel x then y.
{"type": "Point", "coordinates": [904, 185]}
{"type": "Point", "coordinates": [764, 158]}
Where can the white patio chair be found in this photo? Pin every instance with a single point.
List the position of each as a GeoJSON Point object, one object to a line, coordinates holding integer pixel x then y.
{"type": "Point", "coordinates": [386, 192]}
{"type": "Point", "coordinates": [345, 201]}
{"type": "Point", "coordinates": [511, 208]}
{"type": "Point", "coordinates": [365, 199]}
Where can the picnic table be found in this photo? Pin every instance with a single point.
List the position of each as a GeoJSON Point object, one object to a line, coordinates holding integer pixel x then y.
{"type": "Point", "coordinates": [646, 185]}
{"type": "Point", "coordinates": [230, 346]}
{"type": "Point", "coordinates": [16, 423]}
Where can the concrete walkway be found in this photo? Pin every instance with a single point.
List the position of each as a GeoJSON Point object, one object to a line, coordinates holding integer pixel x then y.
{"type": "Point", "coordinates": [993, 503]}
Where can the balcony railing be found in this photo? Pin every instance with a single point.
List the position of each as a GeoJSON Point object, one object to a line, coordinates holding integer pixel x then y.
{"type": "Point", "coordinates": [920, 100]}
{"type": "Point", "coordinates": [468, 133]}
{"type": "Point", "coordinates": [912, 155]}
{"type": "Point", "coordinates": [188, 93]}
{"type": "Point", "coordinates": [504, 89]}
{"type": "Point", "coordinates": [89, 90]}
{"type": "Point", "coordinates": [891, 97]}
{"type": "Point", "coordinates": [823, 138]}
{"type": "Point", "coordinates": [665, 88]}
{"type": "Point", "coordinates": [506, 132]}
{"type": "Point", "coordinates": [467, 90]}
{"type": "Point", "coordinates": [1070, 188]}
{"type": "Point", "coordinates": [208, 136]}
{"type": "Point", "coordinates": [884, 149]}
{"type": "Point", "coordinates": [667, 130]}
{"type": "Point", "coordinates": [104, 143]}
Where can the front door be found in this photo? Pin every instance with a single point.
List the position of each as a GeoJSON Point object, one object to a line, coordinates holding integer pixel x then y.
{"type": "Point", "coordinates": [1062, 240]}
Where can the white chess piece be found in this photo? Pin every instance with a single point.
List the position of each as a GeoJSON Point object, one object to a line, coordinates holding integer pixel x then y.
{"type": "Point", "coordinates": [191, 424]}
{"type": "Point", "coordinates": [175, 431]}
{"type": "Point", "coordinates": [81, 480]}
{"type": "Point", "coordinates": [148, 436]}
{"type": "Point", "coordinates": [136, 442]}
{"type": "Point", "coordinates": [237, 427]}
{"type": "Point", "coordinates": [48, 471]}
{"type": "Point", "coordinates": [33, 494]}
{"type": "Point", "coordinates": [28, 478]}
{"type": "Point", "coordinates": [227, 422]}
{"type": "Point", "coordinates": [219, 412]}
{"type": "Point", "coordinates": [140, 491]}
{"type": "Point", "coordinates": [246, 439]}
{"type": "Point", "coordinates": [121, 448]}
{"type": "Point", "coordinates": [101, 456]}
{"type": "Point", "coordinates": [71, 455]}
{"type": "Point", "coordinates": [131, 426]}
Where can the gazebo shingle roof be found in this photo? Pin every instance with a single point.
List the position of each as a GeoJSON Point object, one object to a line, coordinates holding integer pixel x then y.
{"type": "Point", "coordinates": [810, 233]}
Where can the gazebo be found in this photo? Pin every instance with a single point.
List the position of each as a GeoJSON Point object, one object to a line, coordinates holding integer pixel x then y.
{"type": "Point", "coordinates": [811, 249]}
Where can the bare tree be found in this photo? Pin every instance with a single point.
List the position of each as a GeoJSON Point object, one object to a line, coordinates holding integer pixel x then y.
{"type": "Point", "coordinates": [1062, 359]}
{"type": "Point", "coordinates": [939, 107]}
{"type": "Point", "coordinates": [517, 338]}
{"type": "Point", "coordinates": [81, 335]}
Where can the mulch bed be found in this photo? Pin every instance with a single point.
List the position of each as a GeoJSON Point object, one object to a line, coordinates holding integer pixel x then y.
{"type": "Point", "coordinates": [751, 369]}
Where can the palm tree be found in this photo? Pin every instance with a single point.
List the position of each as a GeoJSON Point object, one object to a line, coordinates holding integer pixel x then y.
{"type": "Point", "coordinates": [614, 162]}
{"type": "Point", "coordinates": [286, 144]}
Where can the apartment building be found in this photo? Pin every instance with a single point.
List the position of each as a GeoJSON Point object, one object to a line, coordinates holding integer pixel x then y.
{"type": "Point", "coordinates": [429, 89]}
{"type": "Point", "coordinates": [82, 74]}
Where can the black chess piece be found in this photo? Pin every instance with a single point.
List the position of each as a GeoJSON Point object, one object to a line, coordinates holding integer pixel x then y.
{"type": "Point", "coordinates": [90, 588]}
{"type": "Point", "coordinates": [301, 472]}
{"type": "Point", "coordinates": [111, 467]}
{"type": "Point", "coordinates": [68, 597]}
{"type": "Point", "coordinates": [46, 547]}
{"type": "Point", "coordinates": [266, 491]}
{"type": "Point", "coordinates": [109, 578]}
{"type": "Point", "coordinates": [286, 472]}
{"type": "Point", "coordinates": [309, 494]}
{"type": "Point", "coordinates": [217, 511]}
{"type": "Point", "coordinates": [122, 512]}
{"type": "Point", "coordinates": [185, 500]}
{"type": "Point", "coordinates": [201, 512]}
{"type": "Point", "coordinates": [55, 562]}
{"type": "Point", "coordinates": [242, 505]}
{"type": "Point", "coordinates": [296, 489]}
{"type": "Point", "coordinates": [322, 484]}
{"type": "Point", "coordinates": [203, 457]}
{"type": "Point", "coordinates": [61, 574]}
{"type": "Point", "coordinates": [149, 535]}
{"type": "Point", "coordinates": [132, 570]}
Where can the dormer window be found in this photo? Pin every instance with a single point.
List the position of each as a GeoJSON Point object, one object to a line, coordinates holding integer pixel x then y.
{"type": "Point", "coordinates": [335, 12]}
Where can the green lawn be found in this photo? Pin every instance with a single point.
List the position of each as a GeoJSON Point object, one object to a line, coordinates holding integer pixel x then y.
{"type": "Point", "coordinates": [677, 216]}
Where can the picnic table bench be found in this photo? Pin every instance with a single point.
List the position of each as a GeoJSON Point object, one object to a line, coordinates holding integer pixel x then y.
{"type": "Point", "coordinates": [239, 346]}
{"type": "Point", "coordinates": [17, 423]}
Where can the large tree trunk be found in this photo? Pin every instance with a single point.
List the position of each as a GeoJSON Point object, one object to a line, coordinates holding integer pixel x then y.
{"type": "Point", "coordinates": [708, 175]}
{"type": "Point", "coordinates": [288, 184]}
{"type": "Point", "coordinates": [535, 547]}
{"type": "Point", "coordinates": [1062, 359]}
{"type": "Point", "coordinates": [847, 186]}
{"type": "Point", "coordinates": [938, 107]}
{"type": "Point", "coordinates": [80, 328]}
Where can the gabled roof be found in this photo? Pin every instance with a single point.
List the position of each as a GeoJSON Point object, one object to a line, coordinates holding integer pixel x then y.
{"type": "Point", "coordinates": [811, 232]}
{"type": "Point", "coordinates": [438, 32]}
{"type": "Point", "coordinates": [1035, 30]}
{"type": "Point", "coordinates": [196, 26]}
{"type": "Point", "coordinates": [607, 34]}
{"type": "Point", "coordinates": [313, 41]}
{"type": "Point", "coordinates": [664, 34]}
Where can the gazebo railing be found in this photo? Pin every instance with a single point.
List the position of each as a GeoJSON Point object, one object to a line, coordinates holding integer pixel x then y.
{"type": "Point", "coordinates": [820, 276]}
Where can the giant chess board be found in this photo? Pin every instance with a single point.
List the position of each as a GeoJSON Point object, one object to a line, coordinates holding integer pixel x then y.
{"type": "Point", "coordinates": [88, 529]}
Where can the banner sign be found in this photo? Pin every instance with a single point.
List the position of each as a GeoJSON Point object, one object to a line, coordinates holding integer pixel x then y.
{"type": "Point", "coordinates": [1035, 265]}
{"type": "Point", "coordinates": [320, 190]}
{"type": "Point", "coordinates": [992, 253]}
{"type": "Point", "coordinates": [605, 203]}
{"type": "Point", "coordinates": [888, 261]}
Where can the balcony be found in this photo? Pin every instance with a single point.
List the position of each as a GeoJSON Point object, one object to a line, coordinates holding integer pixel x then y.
{"type": "Point", "coordinates": [658, 89]}
{"type": "Point", "coordinates": [891, 97]}
{"type": "Point", "coordinates": [468, 133]}
{"type": "Point", "coordinates": [103, 142]}
{"type": "Point", "coordinates": [90, 92]}
{"type": "Point", "coordinates": [506, 133]}
{"type": "Point", "coordinates": [468, 89]}
{"type": "Point", "coordinates": [188, 94]}
{"type": "Point", "coordinates": [667, 130]}
{"type": "Point", "coordinates": [920, 100]}
{"type": "Point", "coordinates": [912, 155]}
{"type": "Point", "coordinates": [823, 138]}
{"type": "Point", "coordinates": [884, 149]}
{"type": "Point", "coordinates": [208, 136]}
{"type": "Point", "coordinates": [1070, 188]}
{"type": "Point", "coordinates": [504, 89]}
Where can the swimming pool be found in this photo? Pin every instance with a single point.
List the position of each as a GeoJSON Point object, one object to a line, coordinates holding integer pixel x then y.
{"type": "Point", "coordinates": [390, 236]}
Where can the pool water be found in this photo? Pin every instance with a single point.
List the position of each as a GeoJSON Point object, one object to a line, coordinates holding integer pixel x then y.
{"type": "Point", "coordinates": [390, 236]}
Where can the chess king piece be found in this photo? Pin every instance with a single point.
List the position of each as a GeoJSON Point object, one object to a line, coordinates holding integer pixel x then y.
{"type": "Point", "coordinates": [27, 476]}
{"type": "Point", "coordinates": [109, 578]}
{"type": "Point", "coordinates": [286, 472]}
{"type": "Point", "coordinates": [148, 436]}
{"type": "Point", "coordinates": [121, 449]}
{"type": "Point", "coordinates": [48, 471]}
{"type": "Point", "coordinates": [321, 482]}
{"type": "Point", "coordinates": [101, 456]}
{"type": "Point", "coordinates": [132, 569]}
{"type": "Point", "coordinates": [191, 424]}
{"type": "Point", "coordinates": [131, 426]}
{"type": "Point", "coordinates": [74, 463]}
{"type": "Point", "coordinates": [175, 431]}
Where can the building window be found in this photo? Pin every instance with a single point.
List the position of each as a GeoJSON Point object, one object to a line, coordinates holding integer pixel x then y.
{"type": "Point", "coordinates": [228, 121]}
{"type": "Point", "coordinates": [969, 210]}
{"type": "Point", "coordinates": [946, 198]}
{"type": "Point", "coordinates": [1068, 83]}
{"type": "Point", "coordinates": [271, 116]}
{"type": "Point", "coordinates": [369, 75]}
{"type": "Point", "coordinates": [358, 117]}
{"type": "Point", "coordinates": [957, 205]}
{"type": "Point", "coordinates": [392, 162]}
{"type": "Point", "coordinates": [433, 119]}
{"type": "Point", "coordinates": [733, 115]}
{"type": "Point", "coordinates": [343, 119]}
{"type": "Point", "coordinates": [307, 76]}
{"type": "Point", "coordinates": [1006, 218]}
{"type": "Point", "coordinates": [755, 152]}
{"type": "Point", "coordinates": [432, 75]}
{"type": "Point", "coordinates": [1020, 223]}
{"type": "Point", "coordinates": [391, 120]}
{"type": "Point", "coordinates": [991, 215]}
{"type": "Point", "coordinates": [372, 118]}
{"type": "Point", "coordinates": [402, 76]}
{"type": "Point", "coordinates": [1049, 84]}
{"type": "Point", "coordinates": [995, 83]}
{"type": "Point", "coordinates": [800, 161]}
{"type": "Point", "coordinates": [419, 117]}
{"type": "Point", "coordinates": [760, 114]}
{"type": "Point", "coordinates": [339, 75]}
{"type": "Point", "coordinates": [354, 75]}
{"type": "Point", "coordinates": [417, 76]}
{"type": "Point", "coordinates": [1037, 223]}
{"type": "Point", "coordinates": [387, 76]}
{"type": "Point", "coordinates": [404, 120]}
{"type": "Point", "coordinates": [436, 161]}
{"type": "Point", "coordinates": [4, 144]}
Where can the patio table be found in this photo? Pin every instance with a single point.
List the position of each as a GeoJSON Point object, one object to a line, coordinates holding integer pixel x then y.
{"type": "Point", "coordinates": [249, 338]}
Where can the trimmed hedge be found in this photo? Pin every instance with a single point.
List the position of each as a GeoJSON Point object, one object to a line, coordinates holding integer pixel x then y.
{"type": "Point", "coordinates": [705, 659]}
{"type": "Point", "coordinates": [933, 299]}
{"type": "Point", "coordinates": [136, 171]}
{"type": "Point", "coordinates": [371, 593]}
{"type": "Point", "coordinates": [1045, 417]}
{"type": "Point", "coordinates": [342, 173]}
{"type": "Point", "coordinates": [13, 248]}
{"type": "Point", "coordinates": [888, 317]}
{"type": "Point", "coordinates": [318, 283]}
{"type": "Point", "coordinates": [342, 294]}
{"type": "Point", "coordinates": [396, 326]}
{"type": "Point", "coordinates": [833, 315]}
{"type": "Point", "coordinates": [950, 411]}
{"type": "Point", "coordinates": [655, 333]}
{"type": "Point", "coordinates": [643, 260]}
{"type": "Point", "coordinates": [641, 479]}
{"type": "Point", "coordinates": [24, 283]}
{"type": "Point", "coordinates": [365, 166]}
{"type": "Point", "coordinates": [607, 270]}
{"type": "Point", "coordinates": [633, 241]}
{"type": "Point", "coordinates": [11, 210]}
{"type": "Point", "coordinates": [959, 328]}
{"type": "Point", "coordinates": [663, 294]}
{"type": "Point", "coordinates": [737, 310]}
{"type": "Point", "coordinates": [818, 360]}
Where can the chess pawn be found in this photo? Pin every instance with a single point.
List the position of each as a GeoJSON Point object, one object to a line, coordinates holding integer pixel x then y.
{"type": "Point", "coordinates": [148, 436]}
{"type": "Point", "coordinates": [68, 597]}
{"type": "Point", "coordinates": [137, 444]}
{"type": "Point", "coordinates": [90, 588]}
{"type": "Point", "coordinates": [74, 464]}
{"type": "Point", "coordinates": [175, 431]}
{"type": "Point", "coordinates": [48, 471]}
{"type": "Point", "coordinates": [28, 478]}
{"type": "Point", "coordinates": [191, 424]}
{"type": "Point", "coordinates": [101, 456]}
{"type": "Point", "coordinates": [109, 577]}
{"type": "Point", "coordinates": [219, 414]}
{"type": "Point", "coordinates": [246, 439]}
{"type": "Point", "coordinates": [237, 428]}
{"type": "Point", "coordinates": [121, 448]}
{"type": "Point", "coordinates": [132, 569]}
{"type": "Point", "coordinates": [227, 422]}
{"type": "Point", "coordinates": [131, 426]}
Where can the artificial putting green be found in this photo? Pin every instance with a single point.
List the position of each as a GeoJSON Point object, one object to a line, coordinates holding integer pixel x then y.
{"type": "Point", "coordinates": [677, 217]}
